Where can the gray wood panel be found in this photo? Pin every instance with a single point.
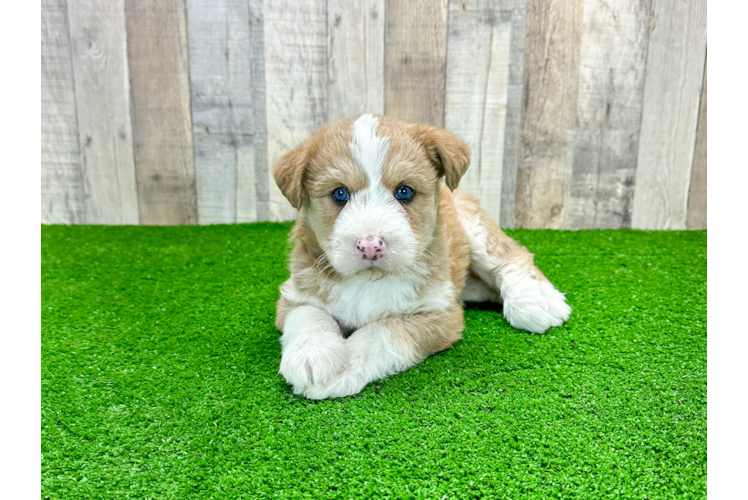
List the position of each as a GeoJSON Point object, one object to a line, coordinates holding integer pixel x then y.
{"type": "Point", "coordinates": [478, 56]}
{"type": "Point", "coordinates": [697, 189]}
{"type": "Point", "coordinates": [162, 124]}
{"type": "Point", "coordinates": [552, 48]}
{"type": "Point", "coordinates": [514, 108]}
{"type": "Point", "coordinates": [674, 76]}
{"type": "Point", "coordinates": [261, 211]}
{"type": "Point", "coordinates": [99, 49]}
{"type": "Point", "coordinates": [296, 75]}
{"type": "Point", "coordinates": [355, 48]}
{"type": "Point", "coordinates": [611, 87]}
{"type": "Point", "coordinates": [61, 174]}
{"type": "Point", "coordinates": [222, 109]}
{"type": "Point", "coordinates": [415, 59]}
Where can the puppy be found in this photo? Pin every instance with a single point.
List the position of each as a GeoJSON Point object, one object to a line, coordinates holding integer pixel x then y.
{"type": "Point", "coordinates": [385, 252]}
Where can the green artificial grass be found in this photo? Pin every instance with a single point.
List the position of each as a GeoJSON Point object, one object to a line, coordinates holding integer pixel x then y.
{"type": "Point", "coordinates": [160, 378]}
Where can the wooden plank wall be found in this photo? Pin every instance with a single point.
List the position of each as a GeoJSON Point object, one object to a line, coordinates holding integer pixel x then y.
{"type": "Point", "coordinates": [580, 113]}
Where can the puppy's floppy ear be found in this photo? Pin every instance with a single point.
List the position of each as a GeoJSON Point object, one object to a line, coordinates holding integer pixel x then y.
{"type": "Point", "coordinates": [449, 154]}
{"type": "Point", "coordinates": [289, 174]}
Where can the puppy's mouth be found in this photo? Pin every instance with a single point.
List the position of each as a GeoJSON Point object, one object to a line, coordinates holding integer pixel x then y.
{"type": "Point", "coordinates": [374, 265]}
{"type": "Point", "coordinates": [370, 270]}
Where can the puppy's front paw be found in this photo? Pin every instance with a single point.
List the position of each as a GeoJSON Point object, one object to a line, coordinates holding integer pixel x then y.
{"type": "Point", "coordinates": [315, 360]}
{"type": "Point", "coordinates": [533, 305]}
{"type": "Point", "coordinates": [345, 384]}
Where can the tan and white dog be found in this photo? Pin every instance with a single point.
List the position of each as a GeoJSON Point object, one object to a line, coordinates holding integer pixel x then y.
{"type": "Point", "coordinates": [385, 252]}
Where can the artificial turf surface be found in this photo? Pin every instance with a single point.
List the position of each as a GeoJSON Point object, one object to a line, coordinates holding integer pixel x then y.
{"type": "Point", "coordinates": [160, 378]}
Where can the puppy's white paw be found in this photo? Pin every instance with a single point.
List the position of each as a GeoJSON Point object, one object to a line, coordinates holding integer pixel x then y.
{"type": "Point", "coordinates": [345, 384]}
{"type": "Point", "coordinates": [531, 304]}
{"type": "Point", "coordinates": [316, 359]}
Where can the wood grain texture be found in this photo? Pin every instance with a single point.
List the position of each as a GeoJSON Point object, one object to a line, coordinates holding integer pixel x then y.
{"type": "Point", "coordinates": [675, 70]}
{"type": "Point", "coordinates": [552, 48]}
{"type": "Point", "coordinates": [514, 109]}
{"type": "Point", "coordinates": [61, 174]}
{"type": "Point", "coordinates": [476, 92]}
{"type": "Point", "coordinates": [261, 209]}
{"type": "Point", "coordinates": [222, 108]}
{"type": "Point", "coordinates": [99, 48]}
{"type": "Point", "coordinates": [296, 75]}
{"type": "Point", "coordinates": [162, 124]}
{"type": "Point", "coordinates": [697, 190]}
{"type": "Point", "coordinates": [611, 87]}
{"type": "Point", "coordinates": [415, 60]}
{"type": "Point", "coordinates": [355, 48]}
{"type": "Point", "coordinates": [579, 113]}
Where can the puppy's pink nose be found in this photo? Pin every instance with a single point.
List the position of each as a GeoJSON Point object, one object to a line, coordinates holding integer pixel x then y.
{"type": "Point", "coordinates": [371, 247]}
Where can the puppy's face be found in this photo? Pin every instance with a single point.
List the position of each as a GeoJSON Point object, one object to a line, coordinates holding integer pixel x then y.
{"type": "Point", "coordinates": [368, 189]}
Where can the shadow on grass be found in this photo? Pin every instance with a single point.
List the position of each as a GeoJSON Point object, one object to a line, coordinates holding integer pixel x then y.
{"type": "Point", "coordinates": [483, 306]}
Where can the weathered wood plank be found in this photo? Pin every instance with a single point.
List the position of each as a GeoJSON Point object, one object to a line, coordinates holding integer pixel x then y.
{"type": "Point", "coordinates": [296, 76]}
{"type": "Point", "coordinates": [551, 83]}
{"type": "Point", "coordinates": [476, 92]}
{"type": "Point", "coordinates": [415, 59]}
{"type": "Point", "coordinates": [675, 70]}
{"type": "Point", "coordinates": [355, 67]}
{"type": "Point", "coordinates": [246, 210]}
{"type": "Point", "coordinates": [61, 174]}
{"type": "Point", "coordinates": [99, 48]}
{"type": "Point", "coordinates": [611, 87]}
{"type": "Point", "coordinates": [222, 108]}
{"type": "Point", "coordinates": [514, 108]}
{"type": "Point", "coordinates": [162, 125]}
{"type": "Point", "coordinates": [697, 190]}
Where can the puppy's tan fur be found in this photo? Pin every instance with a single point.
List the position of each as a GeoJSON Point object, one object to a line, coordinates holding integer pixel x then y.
{"type": "Point", "coordinates": [331, 351]}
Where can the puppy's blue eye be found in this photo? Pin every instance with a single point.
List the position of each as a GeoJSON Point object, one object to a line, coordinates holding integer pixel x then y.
{"type": "Point", "coordinates": [340, 195]}
{"type": "Point", "coordinates": [404, 193]}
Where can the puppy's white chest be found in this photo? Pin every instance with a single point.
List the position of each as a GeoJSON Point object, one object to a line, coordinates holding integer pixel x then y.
{"type": "Point", "coordinates": [358, 302]}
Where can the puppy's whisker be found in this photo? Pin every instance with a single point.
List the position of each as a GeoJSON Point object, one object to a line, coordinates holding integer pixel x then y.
{"type": "Point", "coordinates": [430, 255]}
{"type": "Point", "coordinates": [321, 274]}
{"type": "Point", "coordinates": [429, 260]}
{"type": "Point", "coordinates": [322, 271]}
{"type": "Point", "coordinates": [319, 259]}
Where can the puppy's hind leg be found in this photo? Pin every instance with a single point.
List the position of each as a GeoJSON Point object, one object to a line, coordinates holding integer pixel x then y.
{"type": "Point", "coordinates": [476, 290]}
{"type": "Point", "coordinates": [530, 301]}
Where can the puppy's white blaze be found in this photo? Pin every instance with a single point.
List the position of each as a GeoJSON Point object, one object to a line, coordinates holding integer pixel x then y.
{"type": "Point", "coordinates": [367, 148]}
{"type": "Point", "coordinates": [372, 211]}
